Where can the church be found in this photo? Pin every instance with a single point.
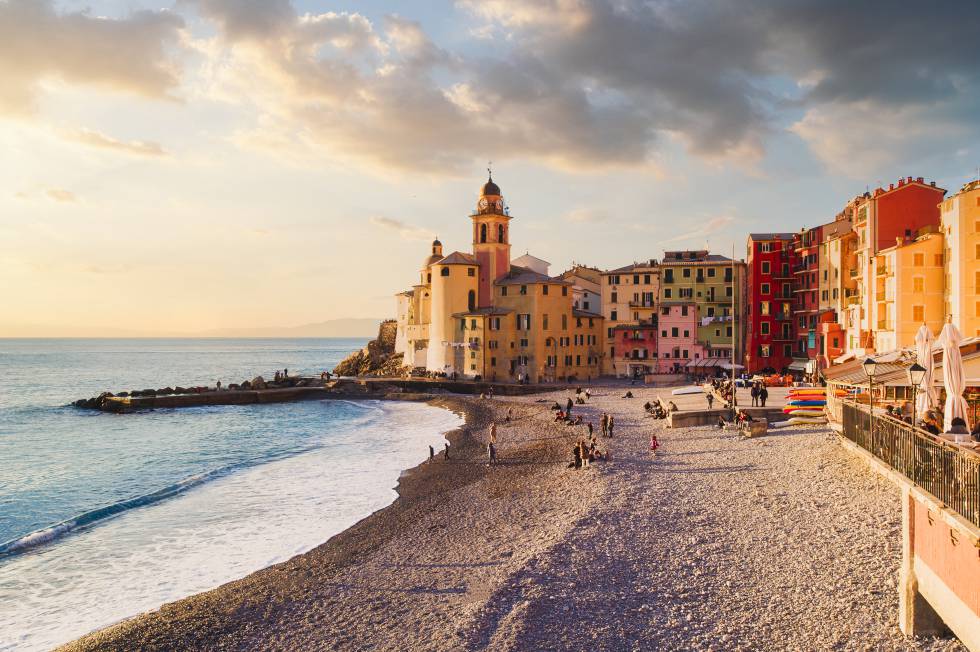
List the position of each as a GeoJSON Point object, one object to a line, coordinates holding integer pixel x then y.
{"type": "Point", "coordinates": [483, 315]}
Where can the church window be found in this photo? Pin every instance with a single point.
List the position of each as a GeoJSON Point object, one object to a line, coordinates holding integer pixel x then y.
{"type": "Point", "coordinates": [500, 233]}
{"type": "Point", "coordinates": [544, 289]}
{"type": "Point", "coordinates": [483, 233]}
{"type": "Point", "coordinates": [444, 271]}
{"type": "Point", "coordinates": [471, 303]}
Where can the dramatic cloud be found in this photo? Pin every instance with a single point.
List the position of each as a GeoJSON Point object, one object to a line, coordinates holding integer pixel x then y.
{"type": "Point", "coordinates": [100, 140]}
{"type": "Point", "coordinates": [37, 43]}
{"type": "Point", "coordinates": [588, 84]}
{"type": "Point", "coordinates": [407, 231]}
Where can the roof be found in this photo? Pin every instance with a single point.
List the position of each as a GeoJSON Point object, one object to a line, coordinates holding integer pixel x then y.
{"type": "Point", "coordinates": [490, 188]}
{"type": "Point", "coordinates": [492, 310]}
{"type": "Point", "coordinates": [523, 276]}
{"type": "Point", "coordinates": [836, 229]}
{"type": "Point", "coordinates": [406, 293]}
{"type": "Point", "coordinates": [650, 266]}
{"type": "Point", "coordinates": [585, 313]}
{"type": "Point", "coordinates": [529, 258]}
{"type": "Point", "coordinates": [770, 236]}
{"type": "Point", "coordinates": [710, 258]}
{"type": "Point", "coordinates": [458, 258]}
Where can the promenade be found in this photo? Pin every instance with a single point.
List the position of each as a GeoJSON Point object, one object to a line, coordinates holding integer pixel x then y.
{"type": "Point", "coordinates": [781, 542]}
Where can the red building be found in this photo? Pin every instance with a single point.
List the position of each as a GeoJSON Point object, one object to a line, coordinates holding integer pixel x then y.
{"type": "Point", "coordinates": [636, 345]}
{"type": "Point", "coordinates": [904, 208]}
{"type": "Point", "coordinates": [771, 259]}
{"type": "Point", "coordinates": [806, 296]}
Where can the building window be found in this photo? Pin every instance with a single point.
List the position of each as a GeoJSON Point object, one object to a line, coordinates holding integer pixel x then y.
{"type": "Point", "coordinates": [544, 290]}
{"type": "Point", "coordinates": [615, 297]}
{"type": "Point", "coordinates": [523, 289]}
{"type": "Point", "coordinates": [493, 362]}
{"type": "Point", "coordinates": [564, 291]}
{"type": "Point", "coordinates": [687, 333]}
{"type": "Point", "coordinates": [500, 233]}
{"type": "Point", "coordinates": [918, 260]}
{"type": "Point", "coordinates": [685, 354]}
{"type": "Point", "coordinates": [483, 233]}
{"type": "Point", "coordinates": [728, 291]}
{"type": "Point", "coordinates": [471, 301]}
{"type": "Point", "coordinates": [765, 247]}
{"type": "Point", "coordinates": [764, 308]}
{"type": "Point", "coordinates": [918, 313]}
{"type": "Point", "coordinates": [765, 267]}
{"type": "Point", "coordinates": [503, 291]}
{"type": "Point", "coordinates": [683, 311]}
{"type": "Point", "coordinates": [687, 272]}
{"type": "Point", "coordinates": [765, 288]}
{"type": "Point", "coordinates": [646, 279]}
{"type": "Point", "coordinates": [636, 279]}
{"type": "Point", "coordinates": [564, 322]}
{"type": "Point", "coordinates": [764, 326]}
{"type": "Point", "coordinates": [711, 272]}
{"type": "Point", "coordinates": [673, 332]}
{"type": "Point", "coordinates": [471, 271]}
{"type": "Point", "coordinates": [444, 271]}
{"type": "Point", "coordinates": [613, 315]}
{"type": "Point", "coordinates": [462, 324]}
{"type": "Point", "coordinates": [544, 322]}
{"type": "Point", "coordinates": [918, 284]}
{"type": "Point", "coordinates": [473, 324]}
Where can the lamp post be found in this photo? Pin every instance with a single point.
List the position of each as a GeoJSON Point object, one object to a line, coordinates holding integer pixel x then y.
{"type": "Point", "coordinates": [916, 374]}
{"type": "Point", "coordinates": [869, 369]}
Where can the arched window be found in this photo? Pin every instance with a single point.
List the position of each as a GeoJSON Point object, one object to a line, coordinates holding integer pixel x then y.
{"type": "Point", "coordinates": [483, 233]}
{"type": "Point", "coordinates": [471, 300]}
{"type": "Point", "coordinates": [500, 233]}
{"type": "Point", "coordinates": [444, 271]}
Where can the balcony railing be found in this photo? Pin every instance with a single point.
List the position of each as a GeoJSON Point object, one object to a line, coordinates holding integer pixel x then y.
{"type": "Point", "coordinates": [948, 472]}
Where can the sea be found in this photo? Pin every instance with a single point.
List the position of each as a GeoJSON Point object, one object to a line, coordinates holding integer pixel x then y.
{"type": "Point", "coordinates": [105, 516]}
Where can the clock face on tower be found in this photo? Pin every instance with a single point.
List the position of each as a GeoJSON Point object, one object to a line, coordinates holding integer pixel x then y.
{"type": "Point", "coordinates": [483, 203]}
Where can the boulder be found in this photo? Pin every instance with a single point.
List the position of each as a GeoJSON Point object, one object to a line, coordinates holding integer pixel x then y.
{"type": "Point", "coordinates": [246, 385]}
{"type": "Point", "coordinates": [258, 383]}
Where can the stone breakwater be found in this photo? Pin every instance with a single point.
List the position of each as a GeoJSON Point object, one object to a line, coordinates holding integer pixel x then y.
{"type": "Point", "coordinates": [248, 391]}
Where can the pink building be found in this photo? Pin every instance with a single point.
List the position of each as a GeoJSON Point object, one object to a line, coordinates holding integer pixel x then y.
{"type": "Point", "coordinates": [678, 342]}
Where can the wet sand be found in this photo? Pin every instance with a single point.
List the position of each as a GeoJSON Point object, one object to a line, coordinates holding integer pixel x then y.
{"type": "Point", "coordinates": [782, 542]}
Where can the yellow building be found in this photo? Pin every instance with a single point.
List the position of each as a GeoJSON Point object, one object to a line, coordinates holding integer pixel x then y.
{"type": "Point", "coordinates": [960, 217]}
{"type": "Point", "coordinates": [908, 290]}
{"type": "Point", "coordinates": [629, 298]}
{"type": "Point", "coordinates": [483, 315]}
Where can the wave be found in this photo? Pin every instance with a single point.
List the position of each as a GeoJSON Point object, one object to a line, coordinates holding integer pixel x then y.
{"type": "Point", "coordinates": [88, 519]}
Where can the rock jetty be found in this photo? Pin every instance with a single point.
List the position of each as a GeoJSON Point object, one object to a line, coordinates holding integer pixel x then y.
{"type": "Point", "coordinates": [377, 359]}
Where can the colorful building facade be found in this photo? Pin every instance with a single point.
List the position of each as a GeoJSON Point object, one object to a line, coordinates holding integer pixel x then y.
{"type": "Point", "coordinates": [770, 258]}
{"type": "Point", "coordinates": [960, 218]}
{"type": "Point", "coordinates": [478, 315]}
{"type": "Point", "coordinates": [628, 300]}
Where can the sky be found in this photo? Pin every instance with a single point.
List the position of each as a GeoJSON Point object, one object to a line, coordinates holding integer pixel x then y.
{"type": "Point", "coordinates": [179, 166]}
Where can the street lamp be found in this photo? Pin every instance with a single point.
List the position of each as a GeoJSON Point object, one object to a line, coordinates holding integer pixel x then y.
{"type": "Point", "coordinates": [869, 369]}
{"type": "Point", "coordinates": [917, 374]}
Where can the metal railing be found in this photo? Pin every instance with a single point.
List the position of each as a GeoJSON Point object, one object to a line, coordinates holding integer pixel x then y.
{"type": "Point", "coordinates": [948, 472]}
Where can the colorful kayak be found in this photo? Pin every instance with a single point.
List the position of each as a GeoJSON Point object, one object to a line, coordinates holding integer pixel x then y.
{"type": "Point", "coordinates": [802, 403]}
{"type": "Point", "coordinates": [803, 413]}
{"type": "Point", "coordinates": [810, 420]}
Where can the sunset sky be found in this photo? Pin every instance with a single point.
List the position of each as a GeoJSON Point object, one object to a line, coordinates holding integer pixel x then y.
{"type": "Point", "coordinates": [198, 164]}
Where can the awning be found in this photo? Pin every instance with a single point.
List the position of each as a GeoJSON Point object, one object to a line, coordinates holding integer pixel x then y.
{"type": "Point", "coordinates": [844, 358]}
{"type": "Point", "coordinates": [797, 365]}
{"type": "Point", "coordinates": [729, 365]}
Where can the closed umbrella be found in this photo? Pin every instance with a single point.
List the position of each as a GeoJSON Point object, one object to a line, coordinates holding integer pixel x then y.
{"type": "Point", "coordinates": [954, 376]}
{"type": "Point", "coordinates": [926, 398]}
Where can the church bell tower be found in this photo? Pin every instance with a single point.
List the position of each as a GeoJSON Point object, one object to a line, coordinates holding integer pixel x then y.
{"type": "Point", "coordinates": [491, 239]}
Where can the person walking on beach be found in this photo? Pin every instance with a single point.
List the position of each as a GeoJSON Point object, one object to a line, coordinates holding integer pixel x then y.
{"type": "Point", "coordinates": [763, 395]}
{"type": "Point", "coordinates": [710, 398]}
{"type": "Point", "coordinates": [604, 423]}
{"type": "Point", "coordinates": [590, 429]}
{"type": "Point", "coordinates": [584, 453]}
{"type": "Point", "coordinates": [492, 453]}
{"type": "Point", "coordinates": [611, 423]}
{"type": "Point", "coordinates": [493, 432]}
{"type": "Point", "coordinates": [755, 395]}
{"type": "Point", "coordinates": [568, 407]}
{"type": "Point", "coordinates": [654, 445]}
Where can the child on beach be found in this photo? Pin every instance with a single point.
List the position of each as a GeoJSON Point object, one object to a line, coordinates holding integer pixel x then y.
{"type": "Point", "coordinates": [654, 445]}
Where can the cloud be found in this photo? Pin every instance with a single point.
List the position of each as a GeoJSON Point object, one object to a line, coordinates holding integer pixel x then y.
{"type": "Point", "coordinates": [407, 231]}
{"type": "Point", "coordinates": [100, 140]}
{"type": "Point", "coordinates": [37, 44]}
{"type": "Point", "coordinates": [705, 230]}
{"type": "Point", "coordinates": [586, 216]}
{"type": "Point", "coordinates": [61, 195]}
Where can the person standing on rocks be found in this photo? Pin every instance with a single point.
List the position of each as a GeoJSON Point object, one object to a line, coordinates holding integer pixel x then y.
{"type": "Point", "coordinates": [445, 452]}
{"type": "Point", "coordinates": [432, 453]}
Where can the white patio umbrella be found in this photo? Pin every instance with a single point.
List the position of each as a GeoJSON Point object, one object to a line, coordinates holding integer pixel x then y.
{"type": "Point", "coordinates": [926, 399]}
{"type": "Point", "coordinates": [954, 376]}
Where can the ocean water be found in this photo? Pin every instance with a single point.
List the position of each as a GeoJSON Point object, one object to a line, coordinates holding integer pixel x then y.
{"type": "Point", "coordinates": [104, 516]}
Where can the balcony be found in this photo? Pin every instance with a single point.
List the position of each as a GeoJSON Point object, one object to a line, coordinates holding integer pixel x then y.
{"type": "Point", "coordinates": [853, 300]}
{"type": "Point", "coordinates": [642, 305]}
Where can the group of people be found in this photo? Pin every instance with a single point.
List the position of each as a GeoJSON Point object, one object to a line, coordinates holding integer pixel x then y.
{"type": "Point", "coordinates": [759, 394]}
{"type": "Point", "coordinates": [657, 411]}
{"type": "Point", "coordinates": [584, 453]}
{"type": "Point", "coordinates": [932, 422]}
{"type": "Point", "coordinates": [281, 375]}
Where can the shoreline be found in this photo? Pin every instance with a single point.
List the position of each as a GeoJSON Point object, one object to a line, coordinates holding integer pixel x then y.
{"type": "Point", "coordinates": [414, 484]}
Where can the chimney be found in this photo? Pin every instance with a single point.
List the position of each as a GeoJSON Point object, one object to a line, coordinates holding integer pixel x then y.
{"type": "Point", "coordinates": [901, 182]}
{"type": "Point", "coordinates": [932, 183]}
{"type": "Point", "coordinates": [920, 180]}
{"type": "Point", "coordinates": [891, 186]}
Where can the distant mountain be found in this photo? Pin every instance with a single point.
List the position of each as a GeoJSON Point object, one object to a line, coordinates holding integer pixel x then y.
{"type": "Point", "coordinates": [367, 327]}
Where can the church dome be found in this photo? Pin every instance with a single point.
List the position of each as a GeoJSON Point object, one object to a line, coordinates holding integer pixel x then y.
{"type": "Point", "coordinates": [490, 188]}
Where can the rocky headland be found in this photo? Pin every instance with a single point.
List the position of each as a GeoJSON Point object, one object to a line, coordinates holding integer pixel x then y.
{"type": "Point", "coordinates": [377, 359]}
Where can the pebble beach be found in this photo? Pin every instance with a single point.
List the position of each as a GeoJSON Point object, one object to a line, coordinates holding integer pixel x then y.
{"type": "Point", "coordinates": [714, 543]}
